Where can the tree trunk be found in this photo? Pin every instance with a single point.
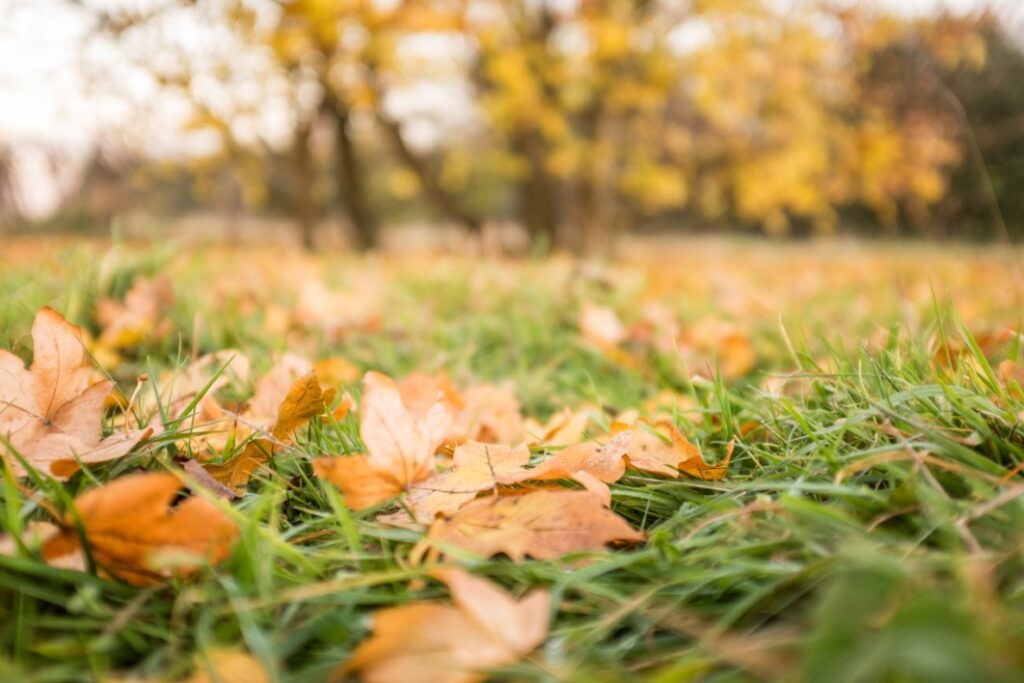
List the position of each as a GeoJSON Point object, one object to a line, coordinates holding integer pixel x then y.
{"type": "Point", "coordinates": [538, 201]}
{"type": "Point", "coordinates": [350, 176]}
{"type": "Point", "coordinates": [437, 195]}
{"type": "Point", "coordinates": [302, 193]}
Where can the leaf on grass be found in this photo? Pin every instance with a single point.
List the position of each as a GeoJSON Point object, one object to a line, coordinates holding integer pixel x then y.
{"type": "Point", "coordinates": [362, 484]}
{"type": "Point", "coordinates": [541, 523]}
{"type": "Point", "coordinates": [34, 536]}
{"type": "Point", "coordinates": [420, 392]}
{"type": "Point", "coordinates": [141, 317]}
{"type": "Point", "coordinates": [650, 452]}
{"type": "Point", "coordinates": [601, 325]}
{"type": "Point", "coordinates": [489, 413]}
{"type": "Point", "coordinates": [137, 533]}
{"type": "Point", "coordinates": [228, 665]}
{"type": "Point", "coordinates": [431, 642]}
{"type": "Point", "coordinates": [712, 345]}
{"type": "Point", "coordinates": [591, 465]}
{"type": "Point", "coordinates": [483, 412]}
{"type": "Point", "coordinates": [50, 413]}
{"type": "Point", "coordinates": [400, 446]}
{"type": "Point", "coordinates": [476, 467]}
{"type": "Point", "coordinates": [562, 428]}
{"type": "Point", "coordinates": [305, 399]}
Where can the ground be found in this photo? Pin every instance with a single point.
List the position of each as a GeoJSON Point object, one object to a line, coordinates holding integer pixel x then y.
{"type": "Point", "coordinates": [868, 527]}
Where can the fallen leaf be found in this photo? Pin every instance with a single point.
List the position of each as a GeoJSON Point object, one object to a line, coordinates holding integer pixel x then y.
{"type": "Point", "coordinates": [397, 440]}
{"type": "Point", "coordinates": [362, 484]}
{"type": "Point", "coordinates": [712, 345]}
{"type": "Point", "coordinates": [489, 413]}
{"type": "Point", "coordinates": [587, 463]}
{"type": "Point", "coordinates": [562, 428]}
{"type": "Point", "coordinates": [650, 452]}
{"type": "Point", "coordinates": [50, 413]}
{"type": "Point", "coordinates": [304, 400]}
{"type": "Point", "coordinates": [400, 446]}
{"type": "Point", "coordinates": [137, 533]}
{"type": "Point", "coordinates": [541, 523]}
{"type": "Point", "coordinates": [141, 317]}
{"type": "Point", "coordinates": [601, 325]}
{"type": "Point", "coordinates": [431, 642]}
{"type": "Point", "coordinates": [34, 536]}
{"type": "Point", "coordinates": [227, 665]}
{"type": "Point", "coordinates": [420, 392]}
{"type": "Point", "coordinates": [476, 467]}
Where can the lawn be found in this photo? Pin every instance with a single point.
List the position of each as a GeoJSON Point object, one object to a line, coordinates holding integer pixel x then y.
{"type": "Point", "coordinates": [867, 526]}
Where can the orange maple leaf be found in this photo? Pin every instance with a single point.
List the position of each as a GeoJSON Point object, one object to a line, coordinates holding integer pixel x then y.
{"type": "Point", "coordinates": [136, 534]}
{"type": "Point", "coordinates": [400, 446]}
{"type": "Point", "coordinates": [540, 523]}
{"type": "Point", "coordinates": [476, 467]}
{"type": "Point", "coordinates": [304, 400]}
{"type": "Point", "coordinates": [432, 642]}
{"type": "Point", "coordinates": [51, 414]}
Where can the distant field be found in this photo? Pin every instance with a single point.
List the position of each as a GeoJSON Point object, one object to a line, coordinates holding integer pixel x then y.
{"type": "Point", "coordinates": [869, 525]}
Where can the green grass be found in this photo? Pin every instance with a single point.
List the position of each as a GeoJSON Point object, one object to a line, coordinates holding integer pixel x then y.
{"type": "Point", "coordinates": [802, 564]}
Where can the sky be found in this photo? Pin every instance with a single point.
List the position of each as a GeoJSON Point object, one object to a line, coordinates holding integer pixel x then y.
{"type": "Point", "coordinates": [48, 100]}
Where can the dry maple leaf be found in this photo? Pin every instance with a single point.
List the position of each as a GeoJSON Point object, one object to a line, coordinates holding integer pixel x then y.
{"type": "Point", "coordinates": [591, 465]}
{"type": "Point", "coordinates": [541, 523]}
{"type": "Point", "coordinates": [305, 399]}
{"type": "Point", "coordinates": [430, 642]}
{"type": "Point", "coordinates": [34, 536]}
{"type": "Point", "coordinates": [562, 428]}
{"type": "Point", "coordinates": [336, 312]}
{"type": "Point", "coordinates": [712, 345]}
{"type": "Point", "coordinates": [483, 412]}
{"type": "Point", "coordinates": [140, 317]}
{"type": "Point", "coordinates": [400, 446]}
{"type": "Point", "coordinates": [420, 392]}
{"type": "Point", "coordinates": [476, 467]}
{"type": "Point", "coordinates": [50, 413]}
{"type": "Point", "coordinates": [137, 533]}
{"type": "Point", "coordinates": [648, 451]}
{"type": "Point", "coordinates": [489, 413]}
{"type": "Point", "coordinates": [227, 665]}
{"type": "Point", "coordinates": [601, 325]}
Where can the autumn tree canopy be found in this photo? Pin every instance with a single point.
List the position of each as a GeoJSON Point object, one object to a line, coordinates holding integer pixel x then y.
{"type": "Point", "coordinates": [577, 120]}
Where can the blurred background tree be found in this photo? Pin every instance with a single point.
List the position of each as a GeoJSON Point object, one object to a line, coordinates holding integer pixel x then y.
{"type": "Point", "coordinates": [570, 122]}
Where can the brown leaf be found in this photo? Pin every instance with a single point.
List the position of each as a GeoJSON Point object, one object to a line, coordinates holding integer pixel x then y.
{"type": "Point", "coordinates": [400, 444]}
{"type": "Point", "coordinates": [226, 665]}
{"type": "Point", "coordinates": [420, 392]}
{"type": "Point", "coordinates": [431, 642]}
{"type": "Point", "coordinates": [362, 484]}
{"type": "Point", "coordinates": [35, 535]}
{"type": "Point", "coordinates": [587, 463]}
{"type": "Point", "coordinates": [139, 318]}
{"type": "Point", "coordinates": [542, 523]}
{"type": "Point", "coordinates": [601, 325]}
{"type": "Point", "coordinates": [563, 428]}
{"type": "Point", "coordinates": [489, 413]}
{"type": "Point", "coordinates": [649, 452]}
{"type": "Point", "coordinates": [477, 467]}
{"type": "Point", "coordinates": [304, 400]}
{"type": "Point", "coordinates": [50, 413]}
{"type": "Point", "coordinates": [397, 440]}
{"type": "Point", "coordinates": [137, 534]}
